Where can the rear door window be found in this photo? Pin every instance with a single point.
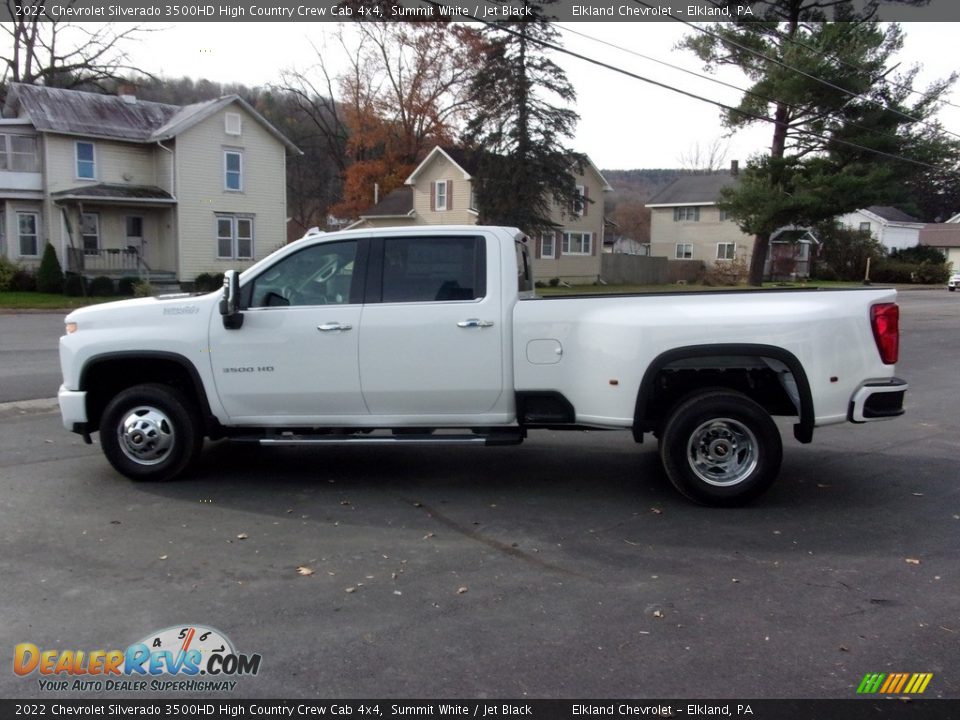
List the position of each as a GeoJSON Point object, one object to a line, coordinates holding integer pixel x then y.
{"type": "Point", "coordinates": [432, 269]}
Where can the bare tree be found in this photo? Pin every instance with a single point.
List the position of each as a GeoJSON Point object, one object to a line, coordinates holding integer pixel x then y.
{"type": "Point", "coordinates": [44, 50]}
{"type": "Point", "coordinates": [402, 91]}
{"type": "Point", "coordinates": [704, 159]}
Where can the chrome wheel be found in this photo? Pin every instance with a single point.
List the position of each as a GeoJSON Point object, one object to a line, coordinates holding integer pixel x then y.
{"type": "Point", "coordinates": [146, 435]}
{"type": "Point", "coordinates": [722, 452]}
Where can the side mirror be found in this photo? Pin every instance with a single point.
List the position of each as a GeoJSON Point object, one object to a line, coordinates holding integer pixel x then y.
{"type": "Point", "coordinates": [230, 302]}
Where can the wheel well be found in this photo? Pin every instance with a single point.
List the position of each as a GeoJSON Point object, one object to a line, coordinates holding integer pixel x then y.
{"type": "Point", "coordinates": [104, 378]}
{"type": "Point", "coordinates": [771, 377]}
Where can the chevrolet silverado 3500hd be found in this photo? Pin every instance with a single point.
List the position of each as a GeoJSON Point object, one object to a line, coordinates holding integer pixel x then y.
{"type": "Point", "coordinates": [435, 335]}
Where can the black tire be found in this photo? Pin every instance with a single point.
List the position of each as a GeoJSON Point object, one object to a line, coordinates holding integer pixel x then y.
{"type": "Point", "coordinates": [150, 432]}
{"type": "Point", "coordinates": [952, 289]}
{"type": "Point", "coordinates": [720, 448]}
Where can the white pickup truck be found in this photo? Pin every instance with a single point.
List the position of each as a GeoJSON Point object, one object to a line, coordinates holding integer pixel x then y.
{"type": "Point", "coordinates": [436, 335]}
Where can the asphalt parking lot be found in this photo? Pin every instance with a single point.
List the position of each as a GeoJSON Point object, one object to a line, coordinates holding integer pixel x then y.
{"type": "Point", "coordinates": [565, 568]}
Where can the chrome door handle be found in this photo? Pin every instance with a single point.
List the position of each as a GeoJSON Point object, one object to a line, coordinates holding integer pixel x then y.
{"type": "Point", "coordinates": [475, 322]}
{"type": "Point", "coordinates": [334, 326]}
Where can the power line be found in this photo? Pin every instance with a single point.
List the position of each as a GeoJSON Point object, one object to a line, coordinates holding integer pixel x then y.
{"type": "Point", "coordinates": [724, 106]}
{"type": "Point", "coordinates": [785, 66]}
{"type": "Point", "coordinates": [723, 83]}
{"type": "Point", "coordinates": [854, 66]}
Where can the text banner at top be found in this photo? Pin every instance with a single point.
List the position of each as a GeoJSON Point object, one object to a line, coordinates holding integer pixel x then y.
{"type": "Point", "coordinates": [141, 11]}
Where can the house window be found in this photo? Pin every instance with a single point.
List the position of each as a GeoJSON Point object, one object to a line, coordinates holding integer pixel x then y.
{"type": "Point", "coordinates": [684, 251]}
{"type": "Point", "coordinates": [233, 170]}
{"type": "Point", "coordinates": [576, 243]}
{"type": "Point", "coordinates": [580, 203]}
{"type": "Point", "coordinates": [27, 232]}
{"type": "Point", "coordinates": [723, 216]}
{"type": "Point", "coordinates": [90, 233]}
{"type": "Point", "coordinates": [86, 161]}
{"type": "Point", "coordinates": [803, 252]}
{"type": "Point", "coordinates": [864, 227]}
{"type": "Point", "coordinates": [473, 198]}
{"type": "Point", "coordinates": [548, 245]}
{"type": "Point", "coordinates": [687, 214]}
{"type": "Point", "coordinates": [233, 123]}
{"type": "Point", "coordinates": [234, 237]}
{"type": "Point", "coordinates": [726, 251]}
{"type": "Point", "coordinates": [18, 153]}
{"type": "Point", "coordinates": [441, 199]}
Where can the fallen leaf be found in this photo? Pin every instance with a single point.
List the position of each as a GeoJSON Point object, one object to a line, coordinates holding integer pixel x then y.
{"type": "Point", "coordinates": [242, 536]}
{"type": "Point", "coordinates": [913, 561]}
{"type": "Point", "coordinates": [289, 511]}
{"type": "Point", "coordinates": [397, 592]}
{"type": "Point", "coordinates": [164, 557]}
{"type": "Point", "coordinates": [844, 648]}
{"type": "Point", "coordinates": [461, 590]}
{"type": "Point", "coordinates": [344, 502]}
{"type": "Point", "coordinates": [418, 504]}
{"type": "Point", "coordinates": [917, 494]}
{"type": "Point", "coordinates": [115, 522]}
{"type": "Point", "coordinates": [734, 580]}
{"type": "Point", "coordinates": [657, 614]}
{"type": "Point", "coordinates": [656, 511]}
{"type": "Point", "coordinates": [428, 536]}
{"type": "Point", "coordinates": [822, 485]}
{"type": "Point", "coordinates": [350, 590]}
{"type": "Point", "coordinates": [304, 570]}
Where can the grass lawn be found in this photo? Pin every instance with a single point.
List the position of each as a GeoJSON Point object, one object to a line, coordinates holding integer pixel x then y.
{"type": "Point", "coordinates": [46, 301]}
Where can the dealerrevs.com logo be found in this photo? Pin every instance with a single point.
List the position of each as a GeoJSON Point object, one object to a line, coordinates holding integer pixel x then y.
{"type": "Point", "coordinates": [187, 658]}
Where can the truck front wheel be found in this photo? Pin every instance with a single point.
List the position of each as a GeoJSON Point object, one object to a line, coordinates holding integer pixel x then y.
{"type": "Point", "coordinates": [148, 432]}
{"type": "Point", "coordinates": [721, 448]}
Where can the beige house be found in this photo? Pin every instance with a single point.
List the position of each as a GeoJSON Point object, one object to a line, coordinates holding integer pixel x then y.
{"type": "Point", "coordinates": [120, 186]}
{"type": "Point", "coordinates": [440, 192]}
{"type": "Point", "coordinates": [945, 237]}
{"type": "Point", "coordinates": [686, 224]}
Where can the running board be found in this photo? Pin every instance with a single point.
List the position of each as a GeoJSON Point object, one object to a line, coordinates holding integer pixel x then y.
{"type": "Point", "coordinates": [405, 439]}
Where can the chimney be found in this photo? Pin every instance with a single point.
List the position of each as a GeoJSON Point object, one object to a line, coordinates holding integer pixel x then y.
{"type": "Point", "coordinates": [127, 92]}
{"type": "Point", "coordinates": [734, 167]}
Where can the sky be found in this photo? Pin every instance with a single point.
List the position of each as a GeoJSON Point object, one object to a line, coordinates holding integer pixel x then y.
{"type": "Point", "coordinates": [624, 123]}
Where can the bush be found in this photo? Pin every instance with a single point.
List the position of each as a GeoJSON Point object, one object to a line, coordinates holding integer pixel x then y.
{"type": "Point", "coordinates": [823, 271]}
{"type": "Point", "coordinates": [726, 273]}
{"type": "Point", "coordinates": [101, 286]}
{"type": "Point", "coordinates": [206, 282]}
{"type": "Point", "coordinates": [919, 254]}
{"type": "Point", "coordinates": [895, 271]}
{"type": "Point", "coordinates": [74, 285]}
{"type": "Point", "coordinates": [142, 289]}
{"type": "Point", "coordinates": [50, 275]}
{"type": "Point", "coordinates": [23, 281]}
{"type": "Point", "coordinates": [125, 286]}
{"type": "Point", "coordinates": [7, 271]}
{"type": "Point", "coordinates": [554, 282]}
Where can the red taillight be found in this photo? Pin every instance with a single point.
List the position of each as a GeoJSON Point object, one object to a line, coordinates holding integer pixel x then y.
{"type": "Point", "coordinates": [885, 320]}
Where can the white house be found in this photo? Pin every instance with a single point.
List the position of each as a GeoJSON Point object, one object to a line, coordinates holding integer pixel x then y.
{"type": "Point", "coordinates": [893, 228]}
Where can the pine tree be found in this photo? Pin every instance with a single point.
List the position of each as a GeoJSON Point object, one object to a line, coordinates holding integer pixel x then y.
{"type": "Point", "coordinates": [50, 275]}
{"type": "Point", "coordinates": [517, 133]}
{"type": "Point", "coordinates": [845, 129]}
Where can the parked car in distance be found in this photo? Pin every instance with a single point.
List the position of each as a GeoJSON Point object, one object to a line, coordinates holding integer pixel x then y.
{"type": "Point", "coordinates": [953, 282]}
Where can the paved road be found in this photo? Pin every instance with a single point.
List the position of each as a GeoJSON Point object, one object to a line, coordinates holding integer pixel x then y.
{"type": "Point", "coordinates": [564, 568]}
{"type": "Point", "coordinates": [29, 364]}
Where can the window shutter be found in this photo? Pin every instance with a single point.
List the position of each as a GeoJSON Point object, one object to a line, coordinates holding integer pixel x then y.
{"type": "Point", "coordinates": [538, 246]}
{"type": "Point", "coordinates": [585, 201]}
{"type": "Point", "coordinates": [593, 244]}
{"type": "Point", "coordinates": [449, 194]}
{"type": "Point", "coordinates": [433, 196]}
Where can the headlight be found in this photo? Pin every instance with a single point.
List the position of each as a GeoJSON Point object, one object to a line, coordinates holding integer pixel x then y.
{"type": "Point", "coordinates": [70, 327]}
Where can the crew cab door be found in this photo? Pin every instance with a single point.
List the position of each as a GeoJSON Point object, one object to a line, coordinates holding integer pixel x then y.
{"type": "Point", "coordinates": [295, 358]}
{"type": "Point", "coordinates": [431, 340]}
